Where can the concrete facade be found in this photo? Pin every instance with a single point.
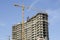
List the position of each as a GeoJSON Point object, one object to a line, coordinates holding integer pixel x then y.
{"type": "Point", "coordinates": [36, 28]}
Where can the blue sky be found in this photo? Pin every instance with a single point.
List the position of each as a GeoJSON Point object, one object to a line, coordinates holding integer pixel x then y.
{"type": "Point", "coordinates": [10, 15]}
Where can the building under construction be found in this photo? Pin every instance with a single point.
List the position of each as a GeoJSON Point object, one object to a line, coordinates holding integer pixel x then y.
{"type": "Point", "coordinates": [35, 28]}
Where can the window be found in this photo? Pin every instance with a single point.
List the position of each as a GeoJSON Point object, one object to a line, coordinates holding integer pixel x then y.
{"type": "Point", "coordinates": [32, 37]}
{"type": "Point", "coordinates": [41, 25]}
{"type": "Point", "coordinates": [37, 35]}
{"type": "Point", "coordinates": [28, 39]}
{"type": "Point", "coordinates": [41, 35]}
{"type": "Point", "coordinates": [19, 39]}
{"type": "Point", "coordinates": [32, 32]}
{"type": "Point", "coordinates": [41, 22]}
{"type": "Point", "coordinates": [44, 35]}
{"type": "Point", "coordinates": [35, 39]}
{"type": "Point", "coordinates": [44, 32]}
{"type": "Point", "coordinates": [37, 32]}
{"type": "Point", "coordinates": [41, 17]}
{"type": "Point", "coordinates": [32, 27]}
{"type": "Point", "coordinates": [40, 31]}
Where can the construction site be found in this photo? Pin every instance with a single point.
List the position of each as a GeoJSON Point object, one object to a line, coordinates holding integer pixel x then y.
{"type": "Point", "coordinates": [34, 28]}
{"type": "Point", "coordinates": [29, 19]}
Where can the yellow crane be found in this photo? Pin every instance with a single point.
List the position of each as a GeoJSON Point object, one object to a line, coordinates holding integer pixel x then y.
{"type": "Point", "coordinates": [23, 7]}
{"type": "Point", "coordinates": [23, 36]}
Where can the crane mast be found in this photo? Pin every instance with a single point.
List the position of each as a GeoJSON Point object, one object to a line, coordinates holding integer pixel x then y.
{"type": "Point", "coordinates": [23, 22]}
{"type": "Point", "coordinates": [23, 37]}
{"type": "Point", "coordinates": [23, 7]}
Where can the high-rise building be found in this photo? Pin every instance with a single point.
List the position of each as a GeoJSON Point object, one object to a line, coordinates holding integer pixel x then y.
{"type": "Point", "coordinates": [35, 28]}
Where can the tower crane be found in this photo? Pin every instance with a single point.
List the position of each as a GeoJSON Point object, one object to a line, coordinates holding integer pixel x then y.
{"type": "Point", "coordinates": [23, 7]}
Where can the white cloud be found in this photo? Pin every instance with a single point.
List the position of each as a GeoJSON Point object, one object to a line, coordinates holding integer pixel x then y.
{"type": "Point", "coordinates": [2, 24]}
{"type": "Point", "coordinates": [54, 16]}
